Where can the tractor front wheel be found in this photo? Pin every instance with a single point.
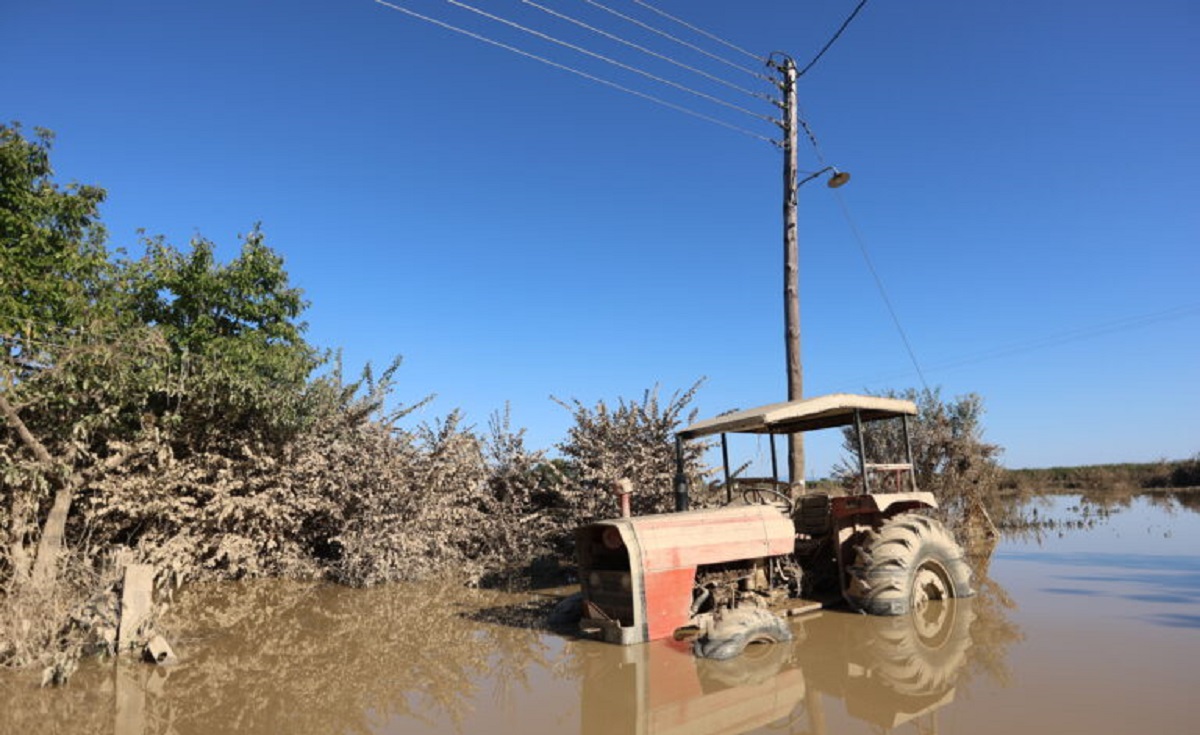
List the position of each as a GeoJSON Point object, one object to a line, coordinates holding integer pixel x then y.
{"type": "Point", "coordinates": [732, 631]}
{"type": "Point", "coordinates": [910, 561]}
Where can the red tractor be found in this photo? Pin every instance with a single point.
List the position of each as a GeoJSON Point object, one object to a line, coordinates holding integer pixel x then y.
{"type": "Point", "coordinates": [727, 577]}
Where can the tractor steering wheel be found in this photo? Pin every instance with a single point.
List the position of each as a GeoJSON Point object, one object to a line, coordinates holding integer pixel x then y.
{"type": "Point", "coordinates": [759, 496]}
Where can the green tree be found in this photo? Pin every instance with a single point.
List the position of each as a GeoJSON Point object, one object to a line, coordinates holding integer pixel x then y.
{"type": "Point", "coordinates": [53, 259]}
{"type": "Point", "coordinates": [115, 363]}
{"type": "Point", "coordinates": [55, 279]}
{"type": "Point", "coordinates": [236, 334]}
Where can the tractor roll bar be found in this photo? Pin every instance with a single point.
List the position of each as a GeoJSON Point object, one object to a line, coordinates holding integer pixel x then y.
{"type": "Point", "coordinates": [793, 417]}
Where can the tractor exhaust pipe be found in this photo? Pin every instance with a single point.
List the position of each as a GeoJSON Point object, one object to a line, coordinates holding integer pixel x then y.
{"type": "Point", "coordinates": [624, 489]}
{"type": "Point", "coordinates": [681, 483]}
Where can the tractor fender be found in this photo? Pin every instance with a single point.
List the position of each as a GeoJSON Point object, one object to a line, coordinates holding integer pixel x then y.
{"type": "Point", "coordinates": [885, 504]}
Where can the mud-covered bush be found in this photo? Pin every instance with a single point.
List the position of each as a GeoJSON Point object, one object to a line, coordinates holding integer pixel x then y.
{"type": "Point", "coordinates": [421, 515]}
{"type": "Point", "coordinates": [635, 440]}
{"type": "Point", "coordinates": [950, 457]}
{"type": "Point", "coordinates": [50, 626]}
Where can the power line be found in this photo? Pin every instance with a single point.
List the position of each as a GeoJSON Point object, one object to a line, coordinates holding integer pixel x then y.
{"type": "Point", "coordinates": [650, 52]}
{"type": "Point", "coordinates": [593, 54]}
{"type": "Point", "coordinates": [801, 118]}
{"type": "Point", "coordinates": [701, 31]}
{"type": "Point", "coordinates": [1053, 340]}
{"type": "Point", "coordinates": [680, 41]}
{"type": "Point", "coordinates": [812, 138]}
{"type": "Point", "coordinates": [577, 72]}
{"type": "Point", "coordinates": [1074, 335]}
{"type": "Point", "coordinates": [832, 40]}
{"type": "Point", "coordinates": [862, 247]}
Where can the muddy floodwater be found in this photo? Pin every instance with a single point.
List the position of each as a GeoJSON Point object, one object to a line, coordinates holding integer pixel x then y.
{"type": "Point", "coordinates": [1090, 624]}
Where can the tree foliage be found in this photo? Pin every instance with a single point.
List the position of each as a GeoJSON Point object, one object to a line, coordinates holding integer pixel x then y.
{"type": "Point", "coordinates": [236, 339]}
{"type": "Point", "coordinates": [53, 261]}
{"type": "Point", "coordinates": [116, 363]}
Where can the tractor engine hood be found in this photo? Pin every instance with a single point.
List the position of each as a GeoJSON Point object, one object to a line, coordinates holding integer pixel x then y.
{"type": "Point", "coordinates": [637, 574]}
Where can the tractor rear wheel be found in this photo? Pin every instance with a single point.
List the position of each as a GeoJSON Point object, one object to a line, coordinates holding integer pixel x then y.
{"type": "Point", "coordinates": [908, 562]}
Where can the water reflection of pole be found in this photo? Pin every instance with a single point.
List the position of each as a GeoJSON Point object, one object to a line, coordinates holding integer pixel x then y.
{"type": "Point", "coordinates": [131, 703]}
{"type": "Point", "coordinates": [816, 710]}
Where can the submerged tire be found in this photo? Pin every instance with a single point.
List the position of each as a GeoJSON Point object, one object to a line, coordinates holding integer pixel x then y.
{"type": "Point", "coordinates": [909, 561]}
{"type": "Point", "coordinates": [738, 628]}
{"type": "Point", "coordinates": [567, 612]}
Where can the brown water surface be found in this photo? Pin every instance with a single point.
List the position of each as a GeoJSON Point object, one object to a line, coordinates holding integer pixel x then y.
{"type": "Point", "coordinates": [1083, 630]}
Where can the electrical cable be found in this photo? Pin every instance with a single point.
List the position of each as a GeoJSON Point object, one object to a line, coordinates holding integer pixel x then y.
{"type": "Point", "coordinates": [862, 247]}
{"type": "Point", "coordinates": [650, 52]}
{"type": "Point", "coordinates": [832, 40]}
{"type": "Point", "coordinates": [1074, 335]}
{"type": "Point", "coordinates": [1118, 325]}
{"type": "Point", "coordinates": [577, 72]}
{"type": "Point", "coordinates": [812, 138]}
{"type": "Point", "coordinates": [681, 42]}
{"type": "Point", "coordinates": [1053, 340]}
{"type": "Point", "coordinates": [701, 31]}
{"type": "Point", "coordinates": [614, 62]}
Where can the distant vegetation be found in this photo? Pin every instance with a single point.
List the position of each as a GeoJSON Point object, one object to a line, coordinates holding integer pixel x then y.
{"type": "Point", "coordinates": [1105, 477]}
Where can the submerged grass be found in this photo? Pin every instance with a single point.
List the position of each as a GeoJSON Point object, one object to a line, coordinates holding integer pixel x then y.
{"type": "Point", "coordinates": [49, 627]}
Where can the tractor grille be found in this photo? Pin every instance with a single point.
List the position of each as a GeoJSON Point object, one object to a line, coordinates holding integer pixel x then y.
{"type": "Point", "coordinates": [609, 595]}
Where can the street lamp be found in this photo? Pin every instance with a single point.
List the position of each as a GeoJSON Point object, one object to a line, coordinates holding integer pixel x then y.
{"type": "Point", "coordinates": [839, 178]}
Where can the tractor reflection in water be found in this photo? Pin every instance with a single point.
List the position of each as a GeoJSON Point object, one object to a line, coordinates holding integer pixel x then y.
{"type": "Point", "coordinates": [727, 577]}
{"type": "Point", "coordinates": [888, 672]}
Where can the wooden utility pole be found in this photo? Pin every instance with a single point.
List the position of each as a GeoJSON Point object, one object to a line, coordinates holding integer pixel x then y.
{"type": "Point", "coordinates": [791, 268]}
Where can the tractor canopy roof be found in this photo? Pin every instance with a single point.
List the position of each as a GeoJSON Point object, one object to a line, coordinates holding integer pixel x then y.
{"type": "Point", "coordinates": [791, 417]}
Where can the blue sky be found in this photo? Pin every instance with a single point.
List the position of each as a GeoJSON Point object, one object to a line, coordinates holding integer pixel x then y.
{"type": "Point", "coordinates": [1025, 179]}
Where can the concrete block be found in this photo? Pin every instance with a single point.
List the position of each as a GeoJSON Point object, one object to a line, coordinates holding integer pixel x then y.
{"type": "Point", "coordinates": [136, 603]}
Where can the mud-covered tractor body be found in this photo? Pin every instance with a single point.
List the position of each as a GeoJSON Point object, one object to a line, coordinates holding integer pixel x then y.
{"type": "Point", "coordinates": [728, 574]}
{"type": "Point", "coordinates": [640, 573]}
